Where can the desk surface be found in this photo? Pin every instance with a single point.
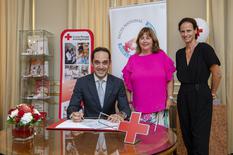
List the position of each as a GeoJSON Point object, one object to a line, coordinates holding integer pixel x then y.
{"type": "Point", "coordinates": [79, 142]}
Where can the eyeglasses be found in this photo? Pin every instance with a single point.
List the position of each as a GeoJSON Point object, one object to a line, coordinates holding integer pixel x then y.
{"type": "Point", "coordinates": [102, 119]}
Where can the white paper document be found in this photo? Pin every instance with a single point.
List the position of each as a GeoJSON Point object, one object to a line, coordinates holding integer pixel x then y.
{"type": "Point", "coordinates": [89, 124]}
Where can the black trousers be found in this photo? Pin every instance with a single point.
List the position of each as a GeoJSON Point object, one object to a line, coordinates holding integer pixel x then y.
{"type": "Point", "coordinates": [194, 103]}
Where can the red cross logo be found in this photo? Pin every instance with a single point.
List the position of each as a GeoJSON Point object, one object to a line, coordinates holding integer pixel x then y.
{"type": "Point", "coordinates": [199, 31]}
{"type": "Point", "coordinates": [68, 36]}
{"type": "Point", "coordinates": [133, 127]}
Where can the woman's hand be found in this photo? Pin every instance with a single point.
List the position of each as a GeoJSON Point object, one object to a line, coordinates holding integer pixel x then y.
{"type": "Point", "coordinates": [131, 107]}
{"type": "Point", "coordinates": [169, 102]}
{"type": "Point", "coordinates": [115, 118]}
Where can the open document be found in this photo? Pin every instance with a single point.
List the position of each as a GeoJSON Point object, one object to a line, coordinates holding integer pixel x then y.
{"type": "Point", "coordinates": [88, 124]}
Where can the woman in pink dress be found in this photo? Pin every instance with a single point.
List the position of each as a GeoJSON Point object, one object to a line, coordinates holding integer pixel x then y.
{"type": "Point", "coordinates": [148, 77]}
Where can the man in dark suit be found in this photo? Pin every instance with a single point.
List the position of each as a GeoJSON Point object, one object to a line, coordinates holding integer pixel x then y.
{"type": "Point", "coordinates": [99, 92]}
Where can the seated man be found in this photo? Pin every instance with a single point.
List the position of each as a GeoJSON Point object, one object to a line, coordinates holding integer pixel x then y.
{"type": "Point", "coordinates": [99, 92]}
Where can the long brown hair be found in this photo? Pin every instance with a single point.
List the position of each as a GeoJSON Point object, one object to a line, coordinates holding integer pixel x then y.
{"type": "Point", "coordinates": [150, 33]}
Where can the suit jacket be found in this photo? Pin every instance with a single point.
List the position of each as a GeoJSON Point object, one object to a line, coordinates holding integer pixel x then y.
{"type": "Point", "coordinates": [85, 90]}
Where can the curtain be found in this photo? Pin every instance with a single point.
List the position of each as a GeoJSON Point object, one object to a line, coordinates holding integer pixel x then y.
{"type": "Point", "coordinates": [14, 15]}
{"type": "Point", "coordinates": [90, 14]}
{"type": "Point", "coordinates": [229, 73]}
{"type": "Point", "coordinates": [93, 15]}
{"type": "Point", "coordinates": [2, 58]}
{"type": "Point", "coordinates": [221, 36]}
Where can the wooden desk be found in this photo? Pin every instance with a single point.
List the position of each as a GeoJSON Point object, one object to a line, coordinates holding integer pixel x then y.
{"type": "Point", "coordinates": [53, 142]}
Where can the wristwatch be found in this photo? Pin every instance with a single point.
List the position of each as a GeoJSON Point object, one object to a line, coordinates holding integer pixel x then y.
{"type": "Point", "coordinates": [171, 98]}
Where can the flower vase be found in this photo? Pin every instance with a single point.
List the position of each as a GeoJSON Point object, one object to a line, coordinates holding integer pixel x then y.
{"type": "Point", "coordinates": [23, 147]}
{"type": "Point", "coordinates": [22, 133]}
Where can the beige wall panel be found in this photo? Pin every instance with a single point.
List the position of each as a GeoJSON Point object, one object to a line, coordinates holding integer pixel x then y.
{"type": "Point", "coordinates": [51, 15]}
{"type": "Point", "coordinates": [176, 10]}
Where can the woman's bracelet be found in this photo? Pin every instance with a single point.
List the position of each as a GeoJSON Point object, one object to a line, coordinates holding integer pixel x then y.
{"type": "Point", "coordinates": [171, 98]}
{"type": "Point", "coordinates": [214, 96]}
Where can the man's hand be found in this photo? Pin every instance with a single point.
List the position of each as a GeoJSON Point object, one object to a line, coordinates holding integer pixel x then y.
{"type": "Point", "coordinates": [115, 118]}
{"type": "Point", "coordinates": [76, 116]}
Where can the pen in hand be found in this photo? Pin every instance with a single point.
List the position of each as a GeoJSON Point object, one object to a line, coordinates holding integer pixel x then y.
{"type": "Point", "coordinates": [82, 116]}
{"type": "Point", "coordinates": [77, 116]}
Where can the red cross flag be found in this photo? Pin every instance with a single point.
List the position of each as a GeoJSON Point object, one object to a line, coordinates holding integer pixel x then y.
{"type": "Point", "coordinates": [133, 127]}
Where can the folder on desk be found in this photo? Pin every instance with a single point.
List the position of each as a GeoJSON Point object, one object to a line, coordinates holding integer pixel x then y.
{"type": "Point", "coordinates": [86, 124]}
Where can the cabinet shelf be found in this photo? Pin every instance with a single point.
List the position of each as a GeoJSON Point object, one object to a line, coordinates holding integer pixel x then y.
{"type": "Point", "coordinates": [34, 76]}
{"type": "Point", "coordinates": [35, 55]}
{"type": "Point", "coordinates": [37, 98]}
{"type": "Point", "coordinates": [36, 69]}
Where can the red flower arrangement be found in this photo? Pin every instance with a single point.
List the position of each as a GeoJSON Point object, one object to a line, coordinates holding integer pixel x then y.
{"type": "Point", "coordinates": [24, 115]}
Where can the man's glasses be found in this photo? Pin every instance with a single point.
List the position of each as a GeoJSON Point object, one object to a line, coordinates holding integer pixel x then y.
{"type": "Point", "coordinates": [102, 119]}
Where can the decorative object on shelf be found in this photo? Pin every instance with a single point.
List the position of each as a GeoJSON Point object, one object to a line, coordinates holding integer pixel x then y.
{"type": "Point", "coordinates": [23, 117]}
{"type": "Point", "coordinates": [37, 45]}
{"type": "Point", "coordinates": [36, 68]}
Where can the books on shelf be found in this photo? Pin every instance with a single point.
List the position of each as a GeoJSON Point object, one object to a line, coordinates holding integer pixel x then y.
{"type": "Point", "coordinates": [37, 68]}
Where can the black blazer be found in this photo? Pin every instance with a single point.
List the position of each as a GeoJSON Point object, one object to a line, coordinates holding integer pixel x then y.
{"type": "Point", "coordinates": [85, 90]}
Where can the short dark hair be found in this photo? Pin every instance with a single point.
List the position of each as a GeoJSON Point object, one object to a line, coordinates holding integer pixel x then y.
{"type": "Point", "coordinates": [100, 49]}
{"type": "Point", "coordinates": [189, 20]}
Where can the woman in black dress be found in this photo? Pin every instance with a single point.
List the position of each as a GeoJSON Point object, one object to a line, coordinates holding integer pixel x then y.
{"type": "Point", "coordinates": [195, 62]}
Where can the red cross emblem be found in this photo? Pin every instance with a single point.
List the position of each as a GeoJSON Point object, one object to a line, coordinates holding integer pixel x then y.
{"type": "Point", "coordinates": [199, 31]}
{"type": "Point", "coordinates": [68, 36]}
{"type": "Point", "coordinates": [133, 127]}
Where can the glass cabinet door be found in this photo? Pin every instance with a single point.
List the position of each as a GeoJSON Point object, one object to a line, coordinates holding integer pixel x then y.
{"type": "Point", "coordinates": [36, 68]}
